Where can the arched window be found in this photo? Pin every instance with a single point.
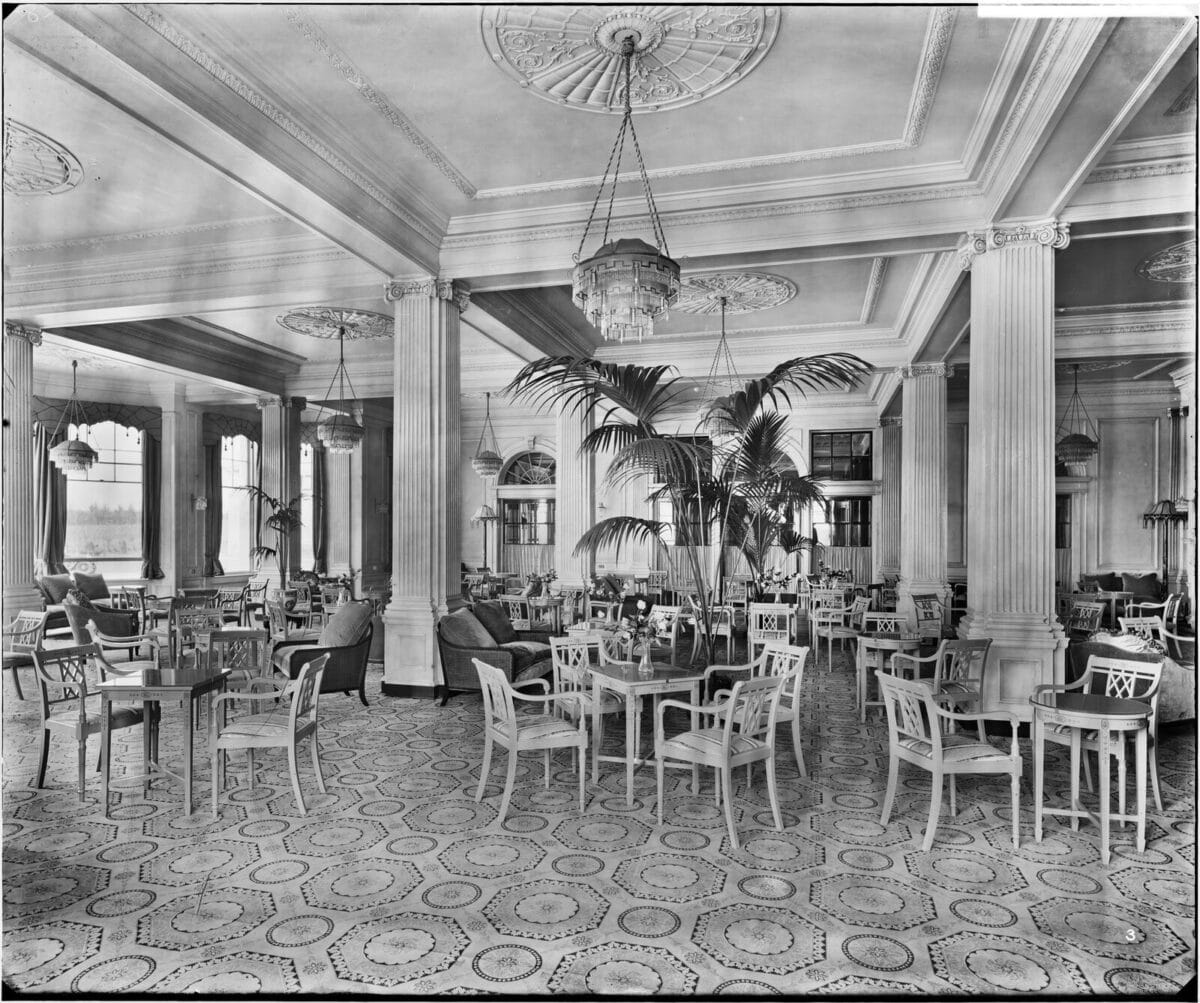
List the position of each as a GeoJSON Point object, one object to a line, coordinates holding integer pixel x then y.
{"type": "Point", "coordinates": [530, 468]}
{"type": "Point", "coordinates": [104, 504]}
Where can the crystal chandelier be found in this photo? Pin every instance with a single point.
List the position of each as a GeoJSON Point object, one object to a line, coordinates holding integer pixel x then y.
{"type": "Point", "coordinates": [340, 433]}
{"type": "Point", "coordinates": [1072, 443]}
{"type": "Point", "coordinates": [72, 455]}
{"type": "Point", "coordinates": [487, 462]}
{"type": "Point", "coordinates": [627, 284]}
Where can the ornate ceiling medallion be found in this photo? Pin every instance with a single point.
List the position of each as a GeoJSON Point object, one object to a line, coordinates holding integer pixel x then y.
{"type": "Point", "coordinates": [35, 164]}
{"type": "Point", "coordinates": [1176, 263]}
{"type": "Point", "coordinates": [571, 55]}
{"type": "Point", "coordinates": [744, 292]}
{"type": "Point", "coordinates": [327, 321]}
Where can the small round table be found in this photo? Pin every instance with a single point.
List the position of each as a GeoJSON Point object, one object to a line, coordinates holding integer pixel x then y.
{"type": "Point", "coordinates": [1110, 718]}
{"type": "Point", "coordinates": [871, 648]}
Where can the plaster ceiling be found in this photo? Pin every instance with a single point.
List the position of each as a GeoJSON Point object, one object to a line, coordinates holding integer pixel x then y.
{"type": "Point", "coordinates": [244, 160]}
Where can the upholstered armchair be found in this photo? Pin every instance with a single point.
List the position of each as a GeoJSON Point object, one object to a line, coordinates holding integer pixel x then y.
{"type": "Point", "coordinates": [346, 639]}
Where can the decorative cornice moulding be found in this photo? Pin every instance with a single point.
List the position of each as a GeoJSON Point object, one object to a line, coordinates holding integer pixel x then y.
{"type": "Point", "coordinates": [1052, 233]}
{"type": "Point", "coordinates": [169, 233]}
{"type": "Point", "coordinates": [874, 285]}
{"type": "Point", "coordinates": [1148, 169]}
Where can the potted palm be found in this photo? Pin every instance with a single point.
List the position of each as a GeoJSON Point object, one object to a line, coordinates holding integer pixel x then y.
{"type": "Point", "coordinates": [284, 519]}
{"type": "Point", "coordinates": [730, 480]}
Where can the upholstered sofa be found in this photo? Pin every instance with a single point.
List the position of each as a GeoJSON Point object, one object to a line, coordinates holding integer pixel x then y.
{"type": "Point", "coordinates": [346, 638]}
{"type": "Point", "coordinates": [1145, 587]}
{"type": "Point", "coordinates": [54, 589]}
{"type": "Point", "coordinates": [484, 631]}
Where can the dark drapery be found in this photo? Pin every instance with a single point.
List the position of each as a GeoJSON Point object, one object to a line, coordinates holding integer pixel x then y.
{"type": "Point", "coordinates": [151, 505]}
{"type": "Point", "coordinates": [50, 501]}
{"type": "Point", "coordinates": [212, 514]}
{"type": "Point", "coordinates": [320, 561]}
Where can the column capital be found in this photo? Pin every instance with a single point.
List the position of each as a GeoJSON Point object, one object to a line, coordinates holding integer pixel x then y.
{"type": "Point", "coordinates": [299, 403]}
{"type": "Point", "coordinates": [1052, 233]}
{"type": "Point", "coordinates": [443, 289]}
{"type": "Point", "coordinates": [30, 334]}
{"type": "Point", "coordinates": [891, 422]}
{"type": "Point", "coordinates": [942, 369]}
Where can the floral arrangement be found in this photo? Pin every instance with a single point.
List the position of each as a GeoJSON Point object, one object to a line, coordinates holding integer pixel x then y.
{"type": "Point", "coordinates": [773, 580]}
{"type": "Point", "coordinates": [599, 588]}
{"type": "Point", "coordinates": [640, 628]}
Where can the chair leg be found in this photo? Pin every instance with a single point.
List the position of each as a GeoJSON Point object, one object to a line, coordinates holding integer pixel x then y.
{"type": "Point", "coordinates": [658, 772]}
{"type": "Point", "coordinates": [509, 779]}
{"type": "Point", "coordinates": [16, 678]}
{"type": "Point", "coordinates": [487, 765]}
{"type": "Point", "coordinates": [82, 768]}
{"type": "Point", "coordinates": [727, 782]}
{"type": "Point", "coordinates": [316, 761]}
{"type": "Point", "coordinates": [1154, 772]}
{"type": "Point", "coordinates": [546, 769]}
{"type": "Point", "coordinates": [1016, 807]}
{"type": "Point", "coordinates": [250, 768]}
{"type": "Point", "coordinates": [217, 761]}
{"type": "Point", "coordinates": [935, 806]}
{"type": "Point", "coordinates": [581, 762]}
{"type": "Point", "coordinates": [953, 797]}
{"type": "Point", "coordinates": [772, 792]}
{"type": "Point", "coordinates": [890, 796]}
{"type": "Point", "coordinates": [796, 741]}
{"type": "Point", "coordinates": [293, 769]}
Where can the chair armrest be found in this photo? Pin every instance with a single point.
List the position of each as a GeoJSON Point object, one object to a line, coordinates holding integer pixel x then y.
{"type": "Point", "coordinates": [231, 697]}
{"type": "Point", "coordinates": [545, 686]}
{"type": "Point", "coordinates": [725, 670]}
{"type": "Point", "coordinates": [1060, 687]}
{"type": "Point", "coordinates": [716, 710]}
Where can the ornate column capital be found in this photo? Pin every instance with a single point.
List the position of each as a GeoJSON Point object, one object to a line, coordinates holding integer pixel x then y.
{"type": "Point", "coordinates": [891, 422]}
{"type": "Point", "coordinates": [925, 369]}
{"type": "Point", "coordinates": [444, 289]}
{"type": "Point", "coordinates": [30, 334]}
{"type": "Point", "coordinates": [299, 403]}
{"type": "Point", "coordinates": [1052, 233]}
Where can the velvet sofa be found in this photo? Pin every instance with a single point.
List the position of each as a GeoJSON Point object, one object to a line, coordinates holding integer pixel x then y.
{"type": "Point", "coordinates": [54, 589]}
{"type": "Point", "coordinates": [484, 631]}
{"type": "Point", "coordinates": [346, 638]}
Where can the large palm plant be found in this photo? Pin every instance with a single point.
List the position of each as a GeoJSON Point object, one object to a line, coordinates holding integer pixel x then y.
{"type": "Point", "coordinates": [731, 476]}
{"type": "Point", "coordinates": [283, 520]}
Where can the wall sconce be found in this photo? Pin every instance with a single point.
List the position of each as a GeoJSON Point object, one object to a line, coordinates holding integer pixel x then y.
{"type": "Point", "coordinates": [199, 503]}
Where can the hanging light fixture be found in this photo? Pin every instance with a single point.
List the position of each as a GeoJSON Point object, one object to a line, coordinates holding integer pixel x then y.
{"type": "Point", "coordinates": [72, 455]}
{"type": "Point", "coordinates": [627, 284]}
{"type": "Point", "coordinates": [487, 462]}
{"type": "Point", "coordinates": [1072, 443]}
{"type": "Point", "coordinates": [340, 433]}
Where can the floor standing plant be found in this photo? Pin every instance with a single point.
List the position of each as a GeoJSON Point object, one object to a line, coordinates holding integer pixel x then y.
{"type": "Point", "coordinates": [730, 480]}
{"type": "Point", "coordinates": [283, 520]}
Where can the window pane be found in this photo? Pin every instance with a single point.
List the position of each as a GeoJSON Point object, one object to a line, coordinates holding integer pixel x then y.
{"type": "Point", "coordinates": [306, 506]}
{"type": "Point", "coordinates": [104, 504]}
{"type": "Point", "coordinates": [841, 456]}
{"type": "Point", "coordinates": [237, 462]}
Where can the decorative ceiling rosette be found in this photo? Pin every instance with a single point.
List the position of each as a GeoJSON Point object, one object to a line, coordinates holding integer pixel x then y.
{"type": "Point", "coordinates": [1176, 263]}
{"type": "Point", "coordinates": [571, 55]}
{"type": "Point", "coordinates": [744, 292]}
{"type": "Point", "coordinates": [325, 322]}
{"type": "Point", "coordinates": [35, 164]}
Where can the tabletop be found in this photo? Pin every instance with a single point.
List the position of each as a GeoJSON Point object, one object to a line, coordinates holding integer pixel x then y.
{"type": "Point", "coordinates": [624, 675]}
{"type": "Point", "coordinates": [163, 680]}
{"type": "Point", "coordinates": [1096, 704]}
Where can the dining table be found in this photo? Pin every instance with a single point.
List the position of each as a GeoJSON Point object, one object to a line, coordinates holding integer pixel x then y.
{"type": "Point", "coordinates": [1111, 719]}
{"type": "Point", "coordinates": [873, 648]}
{"type": "Point", "coordinates": [628, 681]}
{"type": "Point", "coordinates": [159, 686]}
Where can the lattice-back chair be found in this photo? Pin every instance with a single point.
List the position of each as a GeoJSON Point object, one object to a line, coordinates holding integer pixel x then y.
{"type": "Point", "coordinates": [474, 586]}
{"type": "Point", "coordinates": [958, 675]}
{"type": "Point", "coordinates": [198, 597]}
{"type": "Point", "coordinates": [737, 595]}
{"type": "Point", "coordinates": [613, 647]}
{"type": "Point", "coordinates": [931, 616]}
{"type": "Point", "coordinates": [1084, 618]}
{"type": "Point", "coordinates": [742, 733]}
{"type": "Point", "coordinates": [71, 706]}
{"type": "Point", "coordinates": [190, 626]}
{"type": "Point", "coordinates": [820, 598]}
{"type": "Point", "coordinates": [919, 733]}
{"type": "Point", "coordinates": [1125, 679]}
{"type": "Point", "coordinates": [656, 584]}
{"type": "Point", "coordinates": [141, 651]}
{"type": "Point", "coordinates": [885, 622]}
{"type": "Point", "coordinates": [837, 622]}
{"type": "Point", "coordinates": [253, 602]}
{"type": "Point", "coordinates": [667, 622]}
{"type": "Point", "coordinates": [1167, 610]}
{"type": "Point", "coordinates": [572, 605]}
{"type": "Point", "coordinates": [333, 597]}
{"type": "Point", "coordinates": [769, 621]}
{"type": "Point", "coordinates": [244, 650]}
{"type": "Point", "coordinates": [516, 606]}
{"type": "Point", "coordinates": [231, 604]}
{"type": "Point", "coordinates": [282, 627]}
{"type": "Point", "coordinates": [280, 726]}
{"type": "Point", "coordinates": [517, 732]}
{"type": "Point", "coordinates": [22, 637]}
{"type": "Point", "coordinates": [570, 658]}
{"type": "Point", "coordinates": [720, 622]}
{"type": "Point", "coordinates": [1150, 627]}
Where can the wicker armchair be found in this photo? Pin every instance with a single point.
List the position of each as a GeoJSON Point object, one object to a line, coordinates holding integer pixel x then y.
{"type": "Point", "coordinates": [486, 633]}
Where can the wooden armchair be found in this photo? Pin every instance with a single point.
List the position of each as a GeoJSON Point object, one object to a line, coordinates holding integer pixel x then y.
{"type": "Point", "coordinates": [22, 638]}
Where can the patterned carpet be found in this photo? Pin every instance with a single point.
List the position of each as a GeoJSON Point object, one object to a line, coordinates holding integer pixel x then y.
{"type": "Point", "coordinates": [397, 882]}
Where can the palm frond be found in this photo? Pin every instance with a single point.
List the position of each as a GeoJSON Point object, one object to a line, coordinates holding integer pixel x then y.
{"type": "Point", "coordinates": [619, 530]}
{"type": "Point", "coordinates": [832, 371]}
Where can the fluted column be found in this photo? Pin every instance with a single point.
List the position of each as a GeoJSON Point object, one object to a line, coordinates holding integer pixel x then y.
{"type": "Point", "coordinates": [426, 579]}
{"type": "Point", "coordinates": [923, 487]}
{"type": "Point", "coordinates": [281, 466]}
{"type": "Point", "coordinates": [576, 498]}
{"type": "Point", "coordinates": [1010, 461]}
{"type": "Point", "coordinates": [1185, 381]}
{"type": "Point", "coordinates": [18, 522]}
{"type": "Point", "coordinates": [887, 538]}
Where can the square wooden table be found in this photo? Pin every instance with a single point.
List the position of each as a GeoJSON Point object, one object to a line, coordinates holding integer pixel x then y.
{"type": "Point", "coordinates": [151, 686]}
{"type": "Point", "coordinates": [623, 678]}
{"type": "Point", "coordinates": [1110, 718]}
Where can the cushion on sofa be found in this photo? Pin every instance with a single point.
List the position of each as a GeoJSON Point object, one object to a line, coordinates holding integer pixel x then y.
{"type": "Point", "coordinates": [1143, 586]}
{"type": "Point", "coordinates": [494, 618]}
{"type": "Point", "coordinates": [54, 587]}
{"type": "Point", "coordinates": [1110, 581]}
{"type": "Point", "coordinates": [112, 623]}
{"type": "Point", "coordinates": [347, 626]}
{"type": "Point", "coordinates": [534, 670]}
{"type": "Point", "coordinates": [463, 629]}
{"type": "Point", "coordinates": [525, 653]}
{"type": "Point", "coordinates": [92, 586]}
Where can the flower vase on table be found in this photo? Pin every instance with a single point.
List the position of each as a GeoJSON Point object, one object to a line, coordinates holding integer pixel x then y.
{"type": "Point", "coordinates": [645, 667]}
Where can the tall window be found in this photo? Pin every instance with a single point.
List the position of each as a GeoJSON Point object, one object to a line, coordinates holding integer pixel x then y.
{"type": "Point", "coordinates": [238, 460]}
{"type": "Point", "coordinates": [1062, 522]}
{"type": "Point", "coordinates": [529, 521]}
{"type": "Point", "coordinates": [307, 560]}
{"type": "Point", "coordinates": [526, 496]}
{"type": "Point", "coordinates": [104, 504]}
{"type": "Point", "coordinates": [848, 523]}
{"type": "Point", "coordinates": [841, 456]}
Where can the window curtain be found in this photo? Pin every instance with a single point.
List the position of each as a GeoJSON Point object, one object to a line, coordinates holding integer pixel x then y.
{"type": "Point", "coordinates": [50, 501]}
{"type": "Point", "coordinates": [320, 559]}
{"type": "Point", "coordinates": [212, 514]}
{"type": "Point", "coordinates": [151, 506]}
